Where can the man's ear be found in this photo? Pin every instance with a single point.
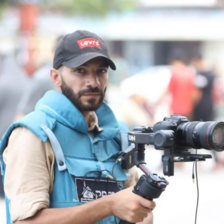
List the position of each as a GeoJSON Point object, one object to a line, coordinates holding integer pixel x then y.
{"type": "Point", "coordinates": [55, 77]}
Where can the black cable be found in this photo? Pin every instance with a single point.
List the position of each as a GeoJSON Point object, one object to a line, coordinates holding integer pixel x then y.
{"type": "Point", "coordinates": [197, 185]}
{"type": "Point", "coordinates": [114, 167]}
{"type": "Point", "coordinates": [100, 174]}
{"type": "Point", "coordinates": [93, 171]}
{"type": "Point", "coordinates": [111, 174]}
{"type": "Point", "coordinates": [118, 160]}
{"type": "Point", "coordinates": [193, 177]}
{"type": "Point", "coordinates": [196, 175]}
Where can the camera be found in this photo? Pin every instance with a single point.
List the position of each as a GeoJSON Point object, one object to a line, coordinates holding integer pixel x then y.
{"type": "Point", "coordinates": [197, 134]}
{"type": "Point", "coordinates": [177, 136]}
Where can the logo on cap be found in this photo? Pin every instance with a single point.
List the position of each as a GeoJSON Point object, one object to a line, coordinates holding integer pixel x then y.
{"type": "Point", "coordinates": [89, 42]}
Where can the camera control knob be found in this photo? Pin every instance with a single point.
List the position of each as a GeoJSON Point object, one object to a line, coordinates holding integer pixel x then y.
{"type": "Point", "coordinates": [161, 184]}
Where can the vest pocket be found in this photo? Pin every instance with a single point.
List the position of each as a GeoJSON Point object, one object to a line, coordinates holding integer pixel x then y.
{"type": "Point", "coordinates": [91, 176]}
{"type": "Point", "coordinates": [82, 168]}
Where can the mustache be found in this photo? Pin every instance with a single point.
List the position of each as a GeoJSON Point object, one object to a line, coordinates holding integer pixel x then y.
{"type": "Point", "coordinates": [90, 90]}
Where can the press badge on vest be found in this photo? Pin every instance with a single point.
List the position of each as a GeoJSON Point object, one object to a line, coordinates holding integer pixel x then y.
{"type": "Point", "coordinates": [92, 189]}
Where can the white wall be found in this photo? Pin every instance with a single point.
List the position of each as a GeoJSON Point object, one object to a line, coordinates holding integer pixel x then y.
{"type": "Point", "coordinates": [213, 52]}
{"type": "Point", "coordinates": [139, 55]}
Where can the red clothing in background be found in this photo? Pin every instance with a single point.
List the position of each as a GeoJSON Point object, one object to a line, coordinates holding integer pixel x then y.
{"type": "Point", "coordinates": [182, 88]}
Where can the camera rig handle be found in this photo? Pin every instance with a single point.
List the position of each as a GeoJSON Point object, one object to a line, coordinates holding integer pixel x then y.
{"type": "Point", "coordinates": [149, 185]}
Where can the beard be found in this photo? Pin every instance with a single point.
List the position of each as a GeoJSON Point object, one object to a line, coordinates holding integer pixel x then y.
{"type": "Point", "coordinates": [90, 104]}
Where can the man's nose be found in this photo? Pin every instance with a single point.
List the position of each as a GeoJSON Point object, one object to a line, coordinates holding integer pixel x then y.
{"type": "Point", "coordinates": [93, 80]}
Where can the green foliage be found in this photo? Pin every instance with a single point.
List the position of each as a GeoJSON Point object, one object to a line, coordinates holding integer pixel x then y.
{"type": "Point", "coordinates": [3, 6]}
{"type": "Point", "coordinates": [97, 8]}
{"type": "Point", "coordinates": [2, 2]}
{"type": "Point", "coordinates": [90, 7]}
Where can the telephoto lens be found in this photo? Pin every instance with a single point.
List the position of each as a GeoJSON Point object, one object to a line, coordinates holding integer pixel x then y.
{"type": "Point", "coordinates": [206, 135]}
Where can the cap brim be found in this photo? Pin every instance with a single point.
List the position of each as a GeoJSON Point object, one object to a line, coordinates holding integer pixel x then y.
{"type": "Point", "coordinates": [83, 58]}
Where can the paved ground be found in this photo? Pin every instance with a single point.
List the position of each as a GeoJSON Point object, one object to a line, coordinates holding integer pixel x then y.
{"type": "Point", "coordinates": [2, 212]}
{"type": "Point", "coordinates": [177, 203]}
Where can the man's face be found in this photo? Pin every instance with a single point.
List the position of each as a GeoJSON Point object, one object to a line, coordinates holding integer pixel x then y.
{"type": "Point", "coordinates": [85, 86]}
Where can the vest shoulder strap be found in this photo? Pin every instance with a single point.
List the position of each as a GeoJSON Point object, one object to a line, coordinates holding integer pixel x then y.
{"type": "Point", "coordinates": [59, 155]}
{"type": "Point", "coordinates": [33, 122]}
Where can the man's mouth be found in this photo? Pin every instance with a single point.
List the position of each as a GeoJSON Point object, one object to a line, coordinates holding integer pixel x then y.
{"type": "Point", "coordinates": [91, 94]}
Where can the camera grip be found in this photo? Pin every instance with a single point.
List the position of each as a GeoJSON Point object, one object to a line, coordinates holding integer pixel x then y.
{"type": "Point", "coordinates": [149, 187]}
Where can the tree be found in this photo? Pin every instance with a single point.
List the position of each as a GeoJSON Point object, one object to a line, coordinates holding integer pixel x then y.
{"type": "Point", "coordinates": [90, 7]}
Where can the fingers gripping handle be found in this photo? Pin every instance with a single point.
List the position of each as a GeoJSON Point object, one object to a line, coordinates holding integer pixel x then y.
{"type": "Point", "coordinates": [149, 187]}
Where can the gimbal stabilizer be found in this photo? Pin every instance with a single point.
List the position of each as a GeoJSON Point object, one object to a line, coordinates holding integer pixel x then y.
{"type": "Point", "coordinates": [162, 140]}
{"type": "Point", "coordinates": [176, 136]}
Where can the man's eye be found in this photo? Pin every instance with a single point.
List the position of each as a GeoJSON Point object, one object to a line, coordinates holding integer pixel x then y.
{"type": "Point", "coordinates": [102, 70]}
{"type": "Point", "coordinates": [79, 70]}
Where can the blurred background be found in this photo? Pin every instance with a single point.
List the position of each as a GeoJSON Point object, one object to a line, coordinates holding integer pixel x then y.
{"type": "Point", "coordinates": [170, 60]}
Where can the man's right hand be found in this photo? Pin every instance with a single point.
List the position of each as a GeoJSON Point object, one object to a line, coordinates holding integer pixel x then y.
{"type": "Point", "coordinates": [131, 207]}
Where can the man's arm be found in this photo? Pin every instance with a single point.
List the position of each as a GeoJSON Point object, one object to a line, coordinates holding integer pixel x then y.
{"type": "Point", "coordinates": [86, 214]}
{"type": "Point", "coordinates": [124, 204]}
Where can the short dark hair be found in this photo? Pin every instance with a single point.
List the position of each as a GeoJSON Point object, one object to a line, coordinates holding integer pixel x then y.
{"type": "Point", "coordinates": [177, 54]}
{"type": "Point", "coordinates": [196, 55]}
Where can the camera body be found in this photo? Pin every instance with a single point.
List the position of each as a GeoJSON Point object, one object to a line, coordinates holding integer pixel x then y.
{"type": "Point", "coordinates": [166, 133]}
{"type": "Point", "coordinates": [197, 134]}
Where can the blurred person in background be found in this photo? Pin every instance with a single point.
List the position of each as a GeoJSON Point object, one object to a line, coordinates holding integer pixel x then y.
{"type": "Point", "coordinates": [204, 109]}
{"type": "Point", "coordinates": [134, 110]}
{"type": "Point", "coordinates": [181, 89]}
{"type": "Point", "coordinates": [53, 156]}
{"type": "Point", "coordinates": [205, 77]}
{"type": "Point", "coordinates": [12, 82]}
{"type": "Point", "coordinates": [37, 86]}
{"type": "Point", "coordinates": [184, 93]}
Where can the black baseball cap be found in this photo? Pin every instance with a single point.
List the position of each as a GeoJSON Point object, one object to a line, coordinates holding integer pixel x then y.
{"type": "Point", "coordinates": [79, 47]}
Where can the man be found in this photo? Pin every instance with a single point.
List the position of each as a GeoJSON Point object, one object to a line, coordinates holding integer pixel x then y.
{"type": "Point", "coordinates": [204, 109]}
{"type": "Point", "coordinates": [12, 81]}
{"type": "Point", "coordinates": [182, 87]}
{"type": "Point", "coordinates": [38, 85]}
{"type": "Point", "coordinates": [62, 157]}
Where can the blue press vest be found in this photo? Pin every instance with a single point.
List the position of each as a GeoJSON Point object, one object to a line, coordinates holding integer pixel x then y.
{"type": "Point", "coordinates": [77, 151]}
